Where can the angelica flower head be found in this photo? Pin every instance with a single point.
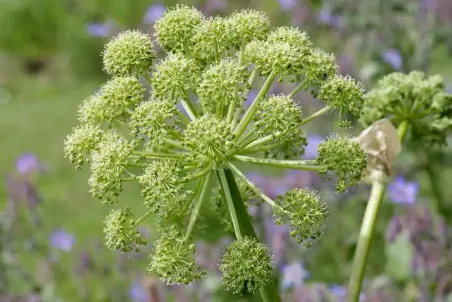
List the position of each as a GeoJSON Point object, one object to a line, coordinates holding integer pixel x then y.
{"type": "Point", "coordinates": [182, 144]}
{"type": "Point", "coordinates": [419, 99]}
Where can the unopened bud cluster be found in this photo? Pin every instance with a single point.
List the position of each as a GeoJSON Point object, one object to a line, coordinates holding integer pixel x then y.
{"type": "Point", "coordinates": [178, 143]}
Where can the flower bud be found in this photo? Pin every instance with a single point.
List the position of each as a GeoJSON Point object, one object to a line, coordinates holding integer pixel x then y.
{"type": "Point", "coordinates": [320, 67]}
{"type": "Point", "coordinates": [247, 25]}
{"type": "Point", "coordinates": [246, 266]}
{"type": "Point", "coordinates": [131, 52]}
{"type": "Point", "coordinates": [304, 211]}
{"type": "Point", "coordinates": [91, 110]}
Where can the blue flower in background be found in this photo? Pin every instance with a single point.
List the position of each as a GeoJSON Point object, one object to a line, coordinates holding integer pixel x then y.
{"type": "Point", "coordinates": [100, 30]}
{"type": "Point", "coordinates": [403, 191]}
{"type": "Point", "coordinates": [326, 17]}
{"type": "Point", "coordinates": [293, 275]}
{"type": "Point", "coordinates": [310, 151]}
{"type": "Point", "coordinates": [250, 97]}
{"type": "Point", "coordinates": [393, 57]}
{"type": "Point", "coordinates": [137, 292]}
{"type": "Point", "coordinates": [340, 292]}
{"type": "Point", "coordinates": [62, 240]}
{"type": "Point", "coordinates": [153, 13]}
{"type": "Point", "coordinates": [27, 163]}
{"type": "Point", "coordinates": [287, 5]}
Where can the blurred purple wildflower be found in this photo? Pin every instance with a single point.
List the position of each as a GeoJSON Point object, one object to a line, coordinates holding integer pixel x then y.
{"type": "Point", "coordinates": [293, 275]}
{"type": "Point", "coordinates": [403, 191]}
{"type": "Point", "coordinates": [250, 98]}
{"type": "Point", "coordinates": [137, 292]}
{"type": "Point", "coordinates": [153, 13]}
{"type": "Point", "coordinates": [326, 17]}
{"type": "Point", "coordinates": [62, 240]}
{"type": "Point", "coordinates": [99, 30]}
{"type": "Point", "coordinates": [340, 293]}
{"type": "Point", "coordinates": [310, 151]}
{"type": "Point", "coordinates": [287, 5]}
{"type": "Point", "coordinates": [27, 163]}
{"type": "Point", "coordinates": [214, 5]}
{"type": "Point", "coordinates": [393, 57]}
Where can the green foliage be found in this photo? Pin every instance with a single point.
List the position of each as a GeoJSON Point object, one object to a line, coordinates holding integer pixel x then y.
{"type": "Point", "coordinates": [246, 266]}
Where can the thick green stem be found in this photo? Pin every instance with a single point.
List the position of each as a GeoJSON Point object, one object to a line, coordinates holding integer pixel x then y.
{"type": "Point", "coordinates": [246, 119]}
{"type": "Point", "coordinates": [315, 115]}
{"type": "Point", "coordinates": [366, 232]}
{"type": "Point", "coordinates": [197, 206]}
{"type": "Point", "coordinates": [255, 189]}
{"type": "Point", "coordinates": [242, 223]}
{"type": "Point", "coordinates": [308, 165]}
{"type": "Point", "coordinates": [152, 155]}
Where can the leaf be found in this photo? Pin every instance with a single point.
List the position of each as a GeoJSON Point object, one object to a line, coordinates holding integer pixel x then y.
{"type": "Point", "coordinates": [400, 255]}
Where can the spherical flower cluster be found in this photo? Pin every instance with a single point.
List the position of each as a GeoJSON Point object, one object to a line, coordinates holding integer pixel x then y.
{"type": "Point", "coordinates": [345, 157]}
{"type": "Point", "coordinates": [108, 166]}
{"type": "Point", "coordinates": [174, 77]}
{"type": "Point", "coordinates": [416, 98]}
{"type": "Point", "coordinates": [153, 120]}
{"type": "Point", "coordinates": [278, 115]}
{"type": "Point", "coordinates": [209, 137]}
{"type": "Point", "coordinates": [182, 144]}
{"type": "Point", "coordinates": [246, 266]}
{"type": "Point", "coordinates": [81, 142]}
{"type": "Point", "coordinates": [173, 259]}
{"type": "Point", "coordinates": [131, 52]}
{"type": "Point", "coordinates": [222, 84]}
{"type": "Point", "coordinates": [344, 94]}
{"type": "Point", "coordinates": [304, 211]}
{"type": "Point", "coordinates": [120, 232]}
{"type": "Point", "coordinates": [162, 182]}
{"type": "Point", "coordinates": [176, 27]}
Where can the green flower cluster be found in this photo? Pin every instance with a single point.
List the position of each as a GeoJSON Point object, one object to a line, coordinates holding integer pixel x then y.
{"type": "Point", "coordinates": [415, 98]}
{"type": "Point", "coordinates": [186, 139]}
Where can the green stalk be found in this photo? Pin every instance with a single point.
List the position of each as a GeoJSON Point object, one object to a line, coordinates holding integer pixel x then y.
{"type": "Point", "coordinates": [242, 223]}
{"type": "Point", "coordinates": [366, 232]}
{"type": "Point", "coordinates": [190, 109]}
{"type": "Point", "coordinates": [300, 86]}
{"type": "Point", "coordinates": [197, 206]}
{"type": "Point", "coordinates": [153, 155]}
{"type": "Point", "coordinates": [308, 165]}
{"type": "Point", "coordinates": [250, 112]}
{"type": "Point", "coordinates": [315, 115]}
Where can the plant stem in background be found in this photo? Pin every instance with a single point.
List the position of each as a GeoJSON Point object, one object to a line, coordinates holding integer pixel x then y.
{"type": "Point", "coordinates": [366, 232]}
{"type": "Point", "coordinates": [242, 223]}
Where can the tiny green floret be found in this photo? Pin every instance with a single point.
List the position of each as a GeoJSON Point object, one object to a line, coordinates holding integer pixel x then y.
{"type": "Point", "coordinates": [120, 232]}
{"type": "Point", "coordinates": [292, 35]}
{"type": "Point", "coordinates": [246, 266]}
{"type": "Point", "coordinates": [343, 93]}
{"type": "Point", "coordinates": [173, 259]}
{"type": "Point", "coordinates": [345, 157]}
{"type": "Point", "coordinates": [222, 84]}
{"type": "Point", "coordinates": [175, 29]}
{"type": "Point", "coordinates": [320, 67]}
{"type": "Point", "coordinates": [81, 142]}
{"type": "Point", "coordinates": [248, 25]}
{"type": "Point", "coordinates": [108, 167]}
{"type": "Point", "coordinates": [174, 78]}
{"type": "Point", "coordinates": [154, 120]}
{"type": "Point", "coordinates": [304, 211]}
{"type": "Point", "coordinates": [91, 110]}
{"type": "Point", "coordinates": [119, 96]}
{"type": "Point", "coordinates": [209, 138]}
{"type": "Point", "coordinates": [131, 52]}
